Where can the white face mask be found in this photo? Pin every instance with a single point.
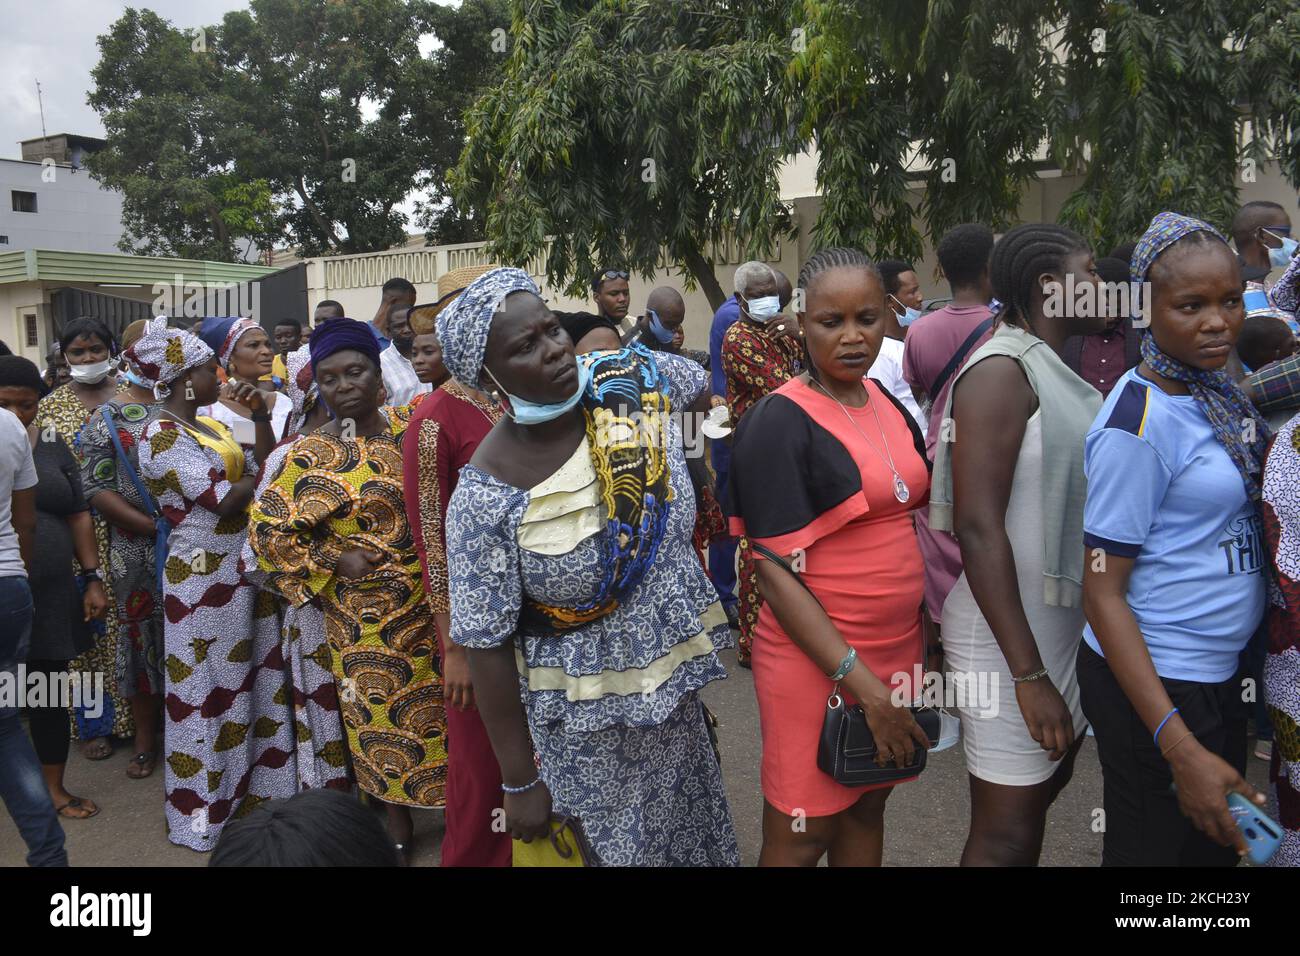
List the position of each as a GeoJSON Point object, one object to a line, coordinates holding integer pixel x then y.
{"type": "Point", "coordinates": [763, 308]}
{"type": "Point", "coordinates": [91, 374]}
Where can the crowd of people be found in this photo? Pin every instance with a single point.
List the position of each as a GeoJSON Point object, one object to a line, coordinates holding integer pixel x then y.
{"type": "Point", "coordinates": [469, 555]}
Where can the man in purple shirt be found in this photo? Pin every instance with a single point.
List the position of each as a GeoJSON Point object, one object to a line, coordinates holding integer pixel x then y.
{"type": "Point", "coordinates": [936, 347]}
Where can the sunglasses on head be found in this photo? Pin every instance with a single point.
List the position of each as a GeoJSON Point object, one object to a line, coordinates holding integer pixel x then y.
{"type": "Point", "coordinates": [610, 274]}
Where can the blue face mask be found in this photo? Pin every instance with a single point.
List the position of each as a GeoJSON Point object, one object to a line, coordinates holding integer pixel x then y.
{"type": "Point", "coordinates": [136, 380]}
{"type": "Point", "coordinates": [661, 332]}
{"type": "Point", "coordinates": [525, 412]}
{"type": "Point", "coordinates": [763, 308]}
{"type": "Point", "coordinates": [909, 315]}
{"type": "Point", "coordinates": [1280, 257]}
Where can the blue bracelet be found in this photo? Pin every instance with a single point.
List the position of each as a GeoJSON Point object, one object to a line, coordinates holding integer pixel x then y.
{"type": "Point", "coordinates": [525, 788]}
{"type": "Point", "coordinates": [1155, 738]}
{"type": "Point", "coordinates": [846, 665]}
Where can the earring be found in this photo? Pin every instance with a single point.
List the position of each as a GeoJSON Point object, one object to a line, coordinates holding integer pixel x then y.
{"type": "Point", "coordinates": [189, 390]}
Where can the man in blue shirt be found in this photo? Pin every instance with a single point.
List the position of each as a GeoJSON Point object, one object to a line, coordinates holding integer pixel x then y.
{"type": "Point", "coordinates": [722, 554]}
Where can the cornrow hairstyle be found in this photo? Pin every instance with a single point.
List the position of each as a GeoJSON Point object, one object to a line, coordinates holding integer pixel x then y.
{"type": "Point", "coordinates": [834, 258]}
{"type": "Point", "coordinates": [837, 257]}
{"type": "Point", "coordinates": [1021, 256]}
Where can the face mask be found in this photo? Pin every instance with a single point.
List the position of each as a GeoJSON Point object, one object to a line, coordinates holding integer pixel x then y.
{"type": "Point", "coordinates": [1280, 257]}
{"type": "Point", "coordinates": [525, 412]}
{"type": "Point", "coordinates": [909, 315]}
{"type": "Point", "coordinates": [662, 333]}
{"type": "Point", "coordinates": [763, 308]}
{"type": "Point", "coordinates": [91, 374]}
{"type": "Point", "coordinates": [136, 380]}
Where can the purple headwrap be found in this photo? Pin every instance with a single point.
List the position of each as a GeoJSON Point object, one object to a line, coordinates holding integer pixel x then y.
{"type": "Point", "coordinates": [336, 335]}
{"type": "Point", "coordinates": [223, 334]}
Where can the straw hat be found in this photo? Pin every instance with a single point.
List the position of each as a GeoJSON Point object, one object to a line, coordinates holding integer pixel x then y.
{"type": "Point", "coordinates": [450, 285]}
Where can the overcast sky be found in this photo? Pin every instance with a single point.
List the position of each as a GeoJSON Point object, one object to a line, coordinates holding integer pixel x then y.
{"type": "Point", "coordinates": [54, 41]}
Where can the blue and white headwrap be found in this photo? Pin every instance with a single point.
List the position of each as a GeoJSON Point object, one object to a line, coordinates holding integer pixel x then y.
{"type": "Point", "coordinates": [464, 325]}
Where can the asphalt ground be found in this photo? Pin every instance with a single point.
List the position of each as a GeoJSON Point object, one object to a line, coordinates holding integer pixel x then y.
{"type": "Point", "coordinates": [925, 821]}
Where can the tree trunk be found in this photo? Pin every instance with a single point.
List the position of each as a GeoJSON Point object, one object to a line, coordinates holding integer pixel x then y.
{"type": "Point", "coordinates": [327, 230]}
{"type": "Point", "coordinates": [701, 270]}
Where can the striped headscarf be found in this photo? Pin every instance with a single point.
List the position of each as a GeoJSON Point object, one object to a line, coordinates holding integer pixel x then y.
{"type": "Point", "coordinates": [223, 334]}
{"type": "Point", "coordinates": [1237, 426]}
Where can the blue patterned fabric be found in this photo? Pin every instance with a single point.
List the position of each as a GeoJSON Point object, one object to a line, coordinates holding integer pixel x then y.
{"type": "Point", "coordinates": [490, 573]}
{"type": "Point", "coordinates": [464, 325]}
{"type": "Point", "coordinates": [649, 796]}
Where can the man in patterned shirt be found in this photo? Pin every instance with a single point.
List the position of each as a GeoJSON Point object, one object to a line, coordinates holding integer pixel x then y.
{"type": "Point", "coordinates": [760, 352]}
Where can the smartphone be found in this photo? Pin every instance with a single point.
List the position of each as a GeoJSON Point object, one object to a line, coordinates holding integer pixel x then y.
{"type": "Point", "coordinates": [1263, 835]}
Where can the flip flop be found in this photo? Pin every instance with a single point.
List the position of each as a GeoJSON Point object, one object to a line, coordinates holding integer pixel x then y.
{"type": "Point", "coordinates": [76, 804]}
{"type": "Point", "coordinates": [97, 749]}
{"type": "Point", "coordinates": [142, 765]}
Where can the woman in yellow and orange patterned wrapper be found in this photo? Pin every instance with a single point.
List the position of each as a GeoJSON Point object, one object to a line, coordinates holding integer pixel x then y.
{"type": "Point", "coordinates": [332, 525]}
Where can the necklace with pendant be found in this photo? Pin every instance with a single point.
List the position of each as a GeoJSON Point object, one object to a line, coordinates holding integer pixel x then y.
{"type": "Point", "coordinates": [901, 491]}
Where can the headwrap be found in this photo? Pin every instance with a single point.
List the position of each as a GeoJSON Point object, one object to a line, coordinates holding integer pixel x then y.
{"type": "Point", "coordinates": [338, 335]}
{"type": "Point", "coordinates": [1286, 293]}
{"type": "Point", "coordinates": [299, 385]}
{"type": "Point", "coordinates": [1229, 411]}
{"type": "Point", "coordinates": [463, 326]}
{"type": "Point", "coordinates": [222, 335]}
{"type": "Point", "coordinates": [162, 354]}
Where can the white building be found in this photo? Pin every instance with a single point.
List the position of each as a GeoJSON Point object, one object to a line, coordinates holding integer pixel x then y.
{"type": "Point", "coordinates": [48, 201]}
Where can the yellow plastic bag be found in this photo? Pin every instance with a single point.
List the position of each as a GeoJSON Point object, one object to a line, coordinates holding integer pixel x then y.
{"type": "Point", "coordinates": [567, 846]}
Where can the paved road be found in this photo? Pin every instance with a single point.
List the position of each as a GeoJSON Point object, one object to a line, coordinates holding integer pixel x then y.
{"type": "Point", "coordinates": [925, 822]}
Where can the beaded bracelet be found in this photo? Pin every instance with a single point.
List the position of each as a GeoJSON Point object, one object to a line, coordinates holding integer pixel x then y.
{"type": "Point", "coordinates": [525, 788]}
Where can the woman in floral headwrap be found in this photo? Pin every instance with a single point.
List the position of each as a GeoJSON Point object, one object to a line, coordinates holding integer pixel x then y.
{"type": "Point", "coordinates": [229, 738]}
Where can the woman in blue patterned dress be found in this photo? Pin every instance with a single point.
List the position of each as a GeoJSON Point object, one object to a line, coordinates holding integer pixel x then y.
{"type": "Point", "coordinates": [583, 591]}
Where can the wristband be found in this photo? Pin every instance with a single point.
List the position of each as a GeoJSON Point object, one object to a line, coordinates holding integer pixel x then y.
{"type": "Point", "coordinates": [91, 574]}
{"type": "Point", "coordinates": [1155, 738]}
{"type": "Point", "coordinates": [264, 417]}
{"type": "Point", "coordinates": [1036, 675]}
{"type": "Point", "coordinates": [846, 665]}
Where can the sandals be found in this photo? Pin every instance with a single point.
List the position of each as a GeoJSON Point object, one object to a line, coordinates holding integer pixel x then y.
{"type": "Point", "coordinates": [142, 764]}
{"type": "Point", "coordinates": [98, 749]}
{"type": "Point", "coordinates": [76, 803]}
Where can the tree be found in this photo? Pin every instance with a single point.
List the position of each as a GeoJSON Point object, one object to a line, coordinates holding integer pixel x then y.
{"type": "Point", "coordinates": [181, 193]}
{"type": "Point", "coordinates": [1154, 108]}
{"type": "Point", "coordinates": [306, 120]}
{"type": "Point", "coordinates": [634, 132]}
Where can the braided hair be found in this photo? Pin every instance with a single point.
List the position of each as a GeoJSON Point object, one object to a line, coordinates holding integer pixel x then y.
{"type": "Point", "coordinates": [1020, 257]}
{"type": "Point", "coordinates": [836, 257]}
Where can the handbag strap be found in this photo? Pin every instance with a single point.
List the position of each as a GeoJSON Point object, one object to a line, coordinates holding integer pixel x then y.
{"type": "Point", "coordinates": [958, 357]}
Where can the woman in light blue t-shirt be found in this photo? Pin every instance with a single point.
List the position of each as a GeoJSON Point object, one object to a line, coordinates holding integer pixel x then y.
{"type": "Point", "coordinates": [1174, 585]}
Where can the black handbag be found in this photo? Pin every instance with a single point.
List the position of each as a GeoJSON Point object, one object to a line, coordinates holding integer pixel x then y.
{"type": "Point", "coordinates": [847, 750]}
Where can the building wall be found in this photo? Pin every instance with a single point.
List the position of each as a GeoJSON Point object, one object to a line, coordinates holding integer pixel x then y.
{"type": "Point", "coordinates": [32, 298]}
{"type": "Point", "coordinates": [73, 212]}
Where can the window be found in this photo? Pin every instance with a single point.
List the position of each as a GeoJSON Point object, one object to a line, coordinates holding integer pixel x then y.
{"type": "Point", "coordinates": [23, 201]}
{"type": "Point", "coordinates": [29, 323]}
